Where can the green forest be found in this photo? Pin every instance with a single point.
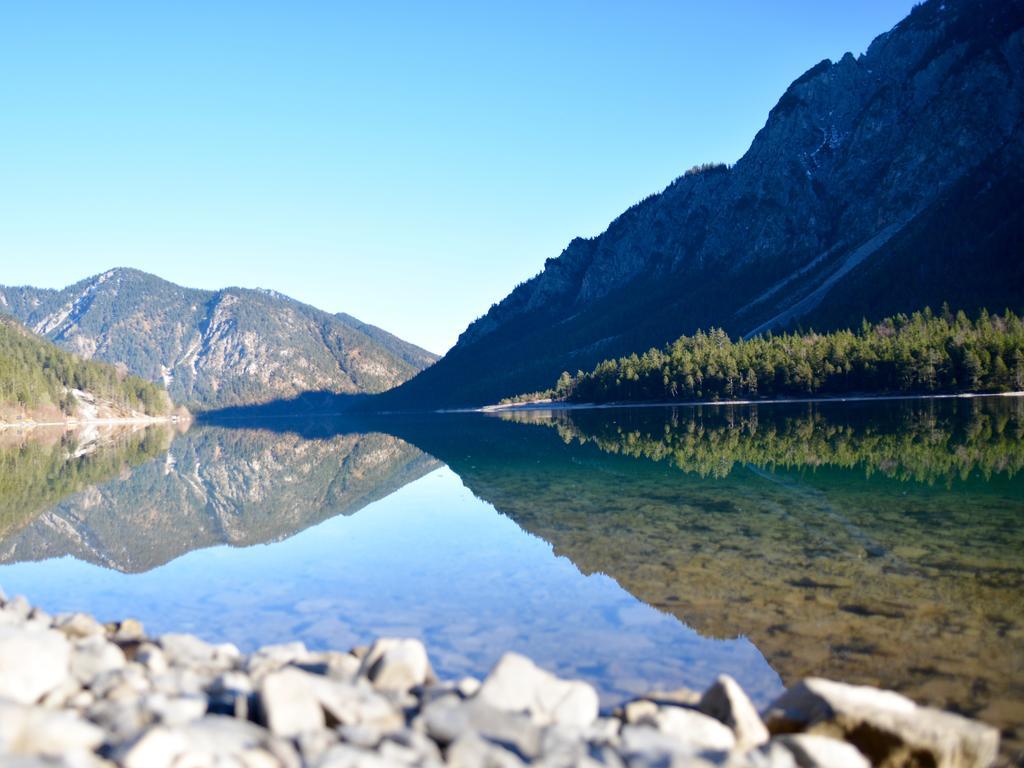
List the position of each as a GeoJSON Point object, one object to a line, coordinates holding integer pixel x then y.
{"type": "Point", "coordinates": [922, 353]}
{"type": "Point", "coordinates": [36, 474]}
{"type": "Point", "coordinates": [910, 441]}
{"type": "Point", "coordinates": [35, 377]}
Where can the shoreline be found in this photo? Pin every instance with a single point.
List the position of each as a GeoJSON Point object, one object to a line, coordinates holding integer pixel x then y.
{"type": "Point", "coordinates": [561, 405]}
{"type": "Point", "coordinates": [75, 690]}
{"type": "Point", "coordinates": [76, 422]}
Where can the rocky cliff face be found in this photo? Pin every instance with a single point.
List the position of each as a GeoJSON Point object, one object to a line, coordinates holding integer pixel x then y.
{"type": "Point", "coordinates": [879, 184]}
{"type": "Point", "coordinates": [215, 348]}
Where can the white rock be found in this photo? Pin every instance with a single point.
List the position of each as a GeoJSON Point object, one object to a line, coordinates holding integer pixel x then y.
{"type": "Point", "coordinates": [347, 756]}
{"type": "Point", "coordinates": [94, 655]}
{"type": "Point", "coordinates": [697, 731]}
{"type": "Point", "coordinates": [728, 703]}
{"type": "Point", "coordinates": [351, 704]}
{"type": "Point", "coordinates": [129, 630]}
{"type": "Point", "coordinates": [175, 710]}
{"type": "Point", "coordinates": [31, 730]}
{"type": "Point", "coordinates": [449, 719]}
{"type": "Point", "coordinates": [393, 664]}
{"type": "Point", "coordinates": [812, 751]}
{"type": "Point", "coordinates": [79, 625]}
{"type": "Point", "coordinates": [32, 663]}
{"type": "Point", "coordinates": [516, 684]}
{"type": "Point", "coordinates": [883, 725]}
{"type": "Point", "coordinates": [640, 711]}
{"type": "Point", "coordinates": [157, 748]}
{"type": "Point", "coordinates": [471, 751]}
{"type": "Point", "coordinates": [188, 650]}
{"type": "Point", "coordinates": [152, 658]}
{"type": "Point", "coordinates": [289, 703]}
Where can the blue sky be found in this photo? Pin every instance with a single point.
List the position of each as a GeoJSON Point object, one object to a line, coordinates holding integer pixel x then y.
{"type": "Point", "coordinates": [408, 163]}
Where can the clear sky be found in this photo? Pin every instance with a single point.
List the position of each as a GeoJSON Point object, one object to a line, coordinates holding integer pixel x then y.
{"type": "Point", "coordinates": [408, 163]}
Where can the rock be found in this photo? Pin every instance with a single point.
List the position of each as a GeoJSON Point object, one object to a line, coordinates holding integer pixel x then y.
{"type": "Point", "coordinates": [31, 730]}
{"type": "Point", "coordinates": [188, 650]}
{"type": "Point", "coordinates": [78, 625]}
{"type": "Point", "coordinates": [726, 702]}
{"type": "Point", "coordinates": [680, 697]}
{"type": "Point", "coordinates": [271, 658]}
{"type": "Point", "coordinates": [810, 751]}
{"type": "Point", "coordinates": [313, 744]}
{"type": "Point", "coordinates": [699, 732]}
{"type": "Point", "coordinates": [396, 665]}
{"type": "Point", "coordinates": [362, 736]}
{"type": "Point", "coordinates": [205, 742]}
{"type": "Point", "coordinates": [128, 630]}
{"type": "Point", "coordinates": [645, 744]}
{"type": "Point", "coordinates": [347, 756]}
{"type": "Point", "coordinates": [471, 751]}
{"type": "Point", "coordinates": [770, 755]}
{"type": "Point", "coordinates": [516, 684]}
{"type": "Point", "coordinates": [448, 720]}
{"type": "Point", "coordinates": [19, 607]}
{"type": "Point", "coordinates": [32, 663]}
{"type": "Point", "coordinates": [288, 703]}
{"type": "Point", "coordinates": [64, 693]}
{"type": "Point", "coordinates": [152, 658]}
{"type": "Point", "coordinates": [175, 710]}
{"type": "Point", "coordinates": [338, 666]}
{"type": "Point", "coordinates": [220, 735]}
{"type": "Point", "coordinates": [886, 727]}
{"type": "Point", "coordinates": [467, 686]}
{"type": "Point", "coordinates": [94, 655]}
{"type": "Point", "coordinates": [157, 748]}
{"type": "Point", "coordinates": [415, 741]}
{"type": "Point", "coordinates": [121, 719]}
{"type": "Point", "coordinates": [128, 682]}
{"type": "Point", "coordinates": [640, 711]}
{"type": "Point", "coordinates": [352, 704]}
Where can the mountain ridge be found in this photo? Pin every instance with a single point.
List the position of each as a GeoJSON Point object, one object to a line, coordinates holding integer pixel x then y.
{"type": "Point", "coordinates": [878, 184]}
{"type": "Point", "coordinates": [222, 347]}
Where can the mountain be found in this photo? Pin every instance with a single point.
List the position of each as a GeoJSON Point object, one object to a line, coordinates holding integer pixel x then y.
{"type": "Point", "coordinates": [879, 184]}
{"type": "Point", "coordinates": [40, 382]}
{"type": "Point", "coordinates": [212, 487]}
{"type": "Point", "coordinates": [215, 348]}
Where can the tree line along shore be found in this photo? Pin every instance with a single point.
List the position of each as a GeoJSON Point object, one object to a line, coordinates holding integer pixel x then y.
{"type": "Point", "coordinates": [922, 353]}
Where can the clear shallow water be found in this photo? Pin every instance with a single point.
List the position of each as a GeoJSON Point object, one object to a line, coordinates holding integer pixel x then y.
{"type": "Point", "coordinates": [637, 548]}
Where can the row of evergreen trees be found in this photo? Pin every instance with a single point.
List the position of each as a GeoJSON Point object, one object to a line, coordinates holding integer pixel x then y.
{"type": "Point", "coordinates": [36, 376]}
{"type": "Point", "coordinates": [921, 353]}
{"type": "Point", "coordinates": [906, 441]}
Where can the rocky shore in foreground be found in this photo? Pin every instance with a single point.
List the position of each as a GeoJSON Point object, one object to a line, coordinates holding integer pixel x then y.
{"type": "Point", "coordinates": [75, 692]}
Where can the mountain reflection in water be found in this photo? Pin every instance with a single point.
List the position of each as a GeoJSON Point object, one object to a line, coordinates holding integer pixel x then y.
{"type": "Point", "coordinates": [874, 542]}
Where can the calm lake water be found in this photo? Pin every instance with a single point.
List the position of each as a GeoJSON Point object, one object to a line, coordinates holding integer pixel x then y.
{"type": "Point", "coordinates": [880, 543]}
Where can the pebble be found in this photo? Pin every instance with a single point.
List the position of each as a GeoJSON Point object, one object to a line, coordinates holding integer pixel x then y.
{"type": "Point", "coordinates": [78, 693]}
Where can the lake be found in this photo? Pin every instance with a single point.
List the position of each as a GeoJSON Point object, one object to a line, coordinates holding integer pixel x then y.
{"type": "Point", "coordinates": [638, 548]}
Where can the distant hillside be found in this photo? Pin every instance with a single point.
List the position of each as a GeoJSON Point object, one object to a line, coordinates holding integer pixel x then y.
{"type": "Point", "coordinates": [215, 348]}
{"type": "Point", "coordinates": [39, 381]}
{"type": "Point", "coordinates": [879, 184]}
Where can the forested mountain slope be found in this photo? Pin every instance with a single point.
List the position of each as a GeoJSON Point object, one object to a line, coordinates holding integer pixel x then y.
{"type": "Point", "coordinates": [879, 184]}
{"type": "Point", "coordinates": [215, 348]}
{"type": "Point", "coordinates": [40, 382]}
